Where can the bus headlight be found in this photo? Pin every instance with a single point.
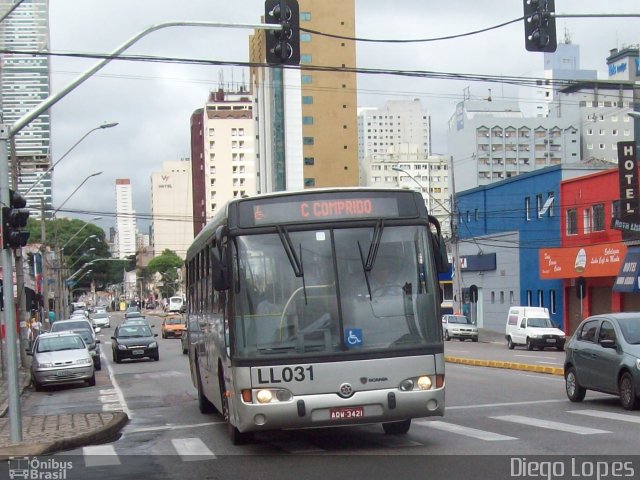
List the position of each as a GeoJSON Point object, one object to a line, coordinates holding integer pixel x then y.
{"type": "Point", "coordinates": [423, 382]}
{"type": "Point", "coordinates": [266, 395]}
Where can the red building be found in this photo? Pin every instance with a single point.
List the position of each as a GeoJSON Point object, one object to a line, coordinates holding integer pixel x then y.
{"type": "Point", "coordinates": [592, 253]}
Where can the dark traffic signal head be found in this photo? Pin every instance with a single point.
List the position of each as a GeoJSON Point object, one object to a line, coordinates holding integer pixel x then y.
{"type": "Point", "coordinates": [283, 46]}
{"type": "Point", "coordinates": [540, 26]}
{"type": "Point", "coordinates": [14, 218]}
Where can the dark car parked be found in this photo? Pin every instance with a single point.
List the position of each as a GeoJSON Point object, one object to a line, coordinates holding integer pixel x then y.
{"type": "Point", "coordinates": [134, 341]}
{"type": "Point", "coordinates": [604, 355]}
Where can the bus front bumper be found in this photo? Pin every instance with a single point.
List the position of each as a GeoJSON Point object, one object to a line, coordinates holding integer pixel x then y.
{"type": "Point", "coordinates": [328, 410]}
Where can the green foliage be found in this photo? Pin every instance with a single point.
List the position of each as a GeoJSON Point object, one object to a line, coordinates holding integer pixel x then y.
{"type": "Point", "coordinates": [167, 265]}
{"type": "Point", "coordinates": [74, 235]}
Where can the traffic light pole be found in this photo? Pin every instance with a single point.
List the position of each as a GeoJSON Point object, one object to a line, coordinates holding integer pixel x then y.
{"type": "Point", "coordinates": [15, 417]}
{"type": "Point", "coordinates": [6, 133]}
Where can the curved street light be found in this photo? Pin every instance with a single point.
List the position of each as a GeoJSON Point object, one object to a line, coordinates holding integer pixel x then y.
{"type": "Point", "coordinates": [73, 193]}
{"type": "Point", "coordinates": [83, 242]}
{"type": "Point", "coordinates": [92, 249]}
{"type": "Point", "coordinates": [50, 169]}
{"type": "Point", "coordinates": [76, 234]}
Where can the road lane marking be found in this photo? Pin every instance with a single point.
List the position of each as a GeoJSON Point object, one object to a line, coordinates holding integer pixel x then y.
{"type": "Point", "coordinates": [192, 449]}
{"type": "Point", "coordinates": [538, 356]}
{"type": "Point", "coordinates": [550, 425]}
{"type": "Point", "coordinates": [116, 387]}
{"type": "Point", "coordinates": [609, 415]}
{"type": "Point", "coordinates": [171, 427]}
{"type": "Point", "coordinates": [100, 455]}
{"type": "Point", "coordinates": [505, 404]}
{"type": "Point", "coordinates": [465, 431]}
{"type": "Point", "coordinates": [297, 446]}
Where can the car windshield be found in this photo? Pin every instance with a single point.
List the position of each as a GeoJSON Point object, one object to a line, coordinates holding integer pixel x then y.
{"type": "Point", "coordinates": [65, 326]}
{"type": "Point", "coordinates": [134, 331]}
{"type": "Point", "coordinates": [134, 314]}
{"type": "Point", "coordinates": [459, 319]}
{"type": "Point", "coordinates": [630, 329]}
{"type": "Point", "coordinates": [100, 315]}
{"type": "Point", "coordinates": [173, 321]}
{"type": "Point", "coordinates": [55, 344]}
{"type": "Point", "coordinates": [539, 322]}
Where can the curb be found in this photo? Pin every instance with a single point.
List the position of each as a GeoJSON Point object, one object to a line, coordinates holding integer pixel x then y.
{"type": "Point", "coordinates": [507, 365]}
{"type": "Point", "coordinates": [101, 435]}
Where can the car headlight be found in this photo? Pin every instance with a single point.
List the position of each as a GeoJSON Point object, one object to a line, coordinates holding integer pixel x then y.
{"type": "Point", "coordinates": [122, 347]}
{"type": "Point", "coordinates": [534, 335]}
{"type": "Point", "coordinates": [638, 363]}
{"type": "Point", "coordinates": [153, 345]}
{"type": "Point", "coordinates": [83, 361]}
{"type": "Point", "coordinates": [45, 365]}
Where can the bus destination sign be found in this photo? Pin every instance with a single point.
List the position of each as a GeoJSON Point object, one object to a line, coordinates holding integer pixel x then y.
{"type": "Point", "coordinates": [319, 208]}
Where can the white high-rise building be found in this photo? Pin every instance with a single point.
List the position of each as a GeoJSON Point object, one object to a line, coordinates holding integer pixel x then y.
{"type": "Point", "coordinates": [399, 121]}
{"type": "Point", "coordinates": [125, 219]}
{"type": "Point", "coordinates": [222, 153]}
{"type": "Point", "coordinates": [25, 83]}
{"type": "Point", "coordinates": [172, 208]}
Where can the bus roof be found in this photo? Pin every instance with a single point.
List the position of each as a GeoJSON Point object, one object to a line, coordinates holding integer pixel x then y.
{"type": "Point", "coordinates": [405, 203]}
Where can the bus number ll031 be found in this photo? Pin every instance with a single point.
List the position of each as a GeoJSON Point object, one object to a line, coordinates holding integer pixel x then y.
{"type": "Point", "coordinates": [285, 374]}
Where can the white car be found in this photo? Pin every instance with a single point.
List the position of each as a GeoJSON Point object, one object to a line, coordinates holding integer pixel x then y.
{"type": "Point", "coordinates": [101, 319]}
{"type": "Point", "coordinates": [460, 327]}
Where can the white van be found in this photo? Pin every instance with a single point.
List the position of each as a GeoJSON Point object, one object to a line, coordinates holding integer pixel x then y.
{"type": "Point", "coordinates": [532, 326]}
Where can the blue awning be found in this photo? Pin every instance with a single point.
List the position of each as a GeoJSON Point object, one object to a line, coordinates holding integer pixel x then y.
{"type": "Point", "coordinates": [628, 280]}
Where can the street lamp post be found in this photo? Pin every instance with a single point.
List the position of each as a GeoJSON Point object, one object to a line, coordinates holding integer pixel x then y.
{"type": "Point", "coordinates": [92, 249]}
{"type": "Point", "coordinates": [53, 165]}
{"type": "Point", "coordinates": [80, 246]}
{"type": "Point", "coordinates": [62, 305]}
{"type": "Point", "coordinates": [79, 230]}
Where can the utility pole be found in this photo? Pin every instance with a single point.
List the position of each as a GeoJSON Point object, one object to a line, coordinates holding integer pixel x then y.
{"type": "Point", "coordinates": [45, 261]}
{"type": "Point", "coordinates": [455, 252]}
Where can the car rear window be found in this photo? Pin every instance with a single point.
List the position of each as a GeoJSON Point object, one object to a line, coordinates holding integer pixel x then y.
{"type": "Point", "coordinates": [64, 326]}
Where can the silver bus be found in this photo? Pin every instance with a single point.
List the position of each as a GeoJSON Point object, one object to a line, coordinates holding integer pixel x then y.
{"type": "Point", "coordinates": [317, 308]}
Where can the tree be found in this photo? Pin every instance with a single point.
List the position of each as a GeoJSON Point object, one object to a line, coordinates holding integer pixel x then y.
{"type": "Point", "coordinates": [167, 265]}
{"type": "Point", "coordinates": [74, 235]}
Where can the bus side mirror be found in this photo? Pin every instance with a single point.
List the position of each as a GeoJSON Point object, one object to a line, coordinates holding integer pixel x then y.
{"type": "Point", "coordinates": [439, 247]}
{"type": "Point", "coordinates": [220, 267]}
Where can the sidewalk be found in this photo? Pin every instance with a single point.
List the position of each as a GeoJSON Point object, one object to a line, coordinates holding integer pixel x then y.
{"type": "Point", "coordinates": [43, 434]}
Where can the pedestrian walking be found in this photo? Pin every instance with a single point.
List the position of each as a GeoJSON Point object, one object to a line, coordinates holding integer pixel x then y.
{"type": "Point", "coordinates": [52, 316]}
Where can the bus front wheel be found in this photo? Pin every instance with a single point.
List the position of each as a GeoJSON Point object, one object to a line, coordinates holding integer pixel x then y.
{"type": "Point", "coordinates": [397, 428]}
{"type": "Point", "coordinates": [236, 436]}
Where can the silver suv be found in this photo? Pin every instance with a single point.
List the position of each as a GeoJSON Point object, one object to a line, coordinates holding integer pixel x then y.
{"type": "Point", "coordinates": [459, 326]}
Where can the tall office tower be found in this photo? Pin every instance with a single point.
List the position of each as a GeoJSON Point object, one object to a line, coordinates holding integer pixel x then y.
{"type": "Point", "coordinates": [25, 83]}
{"type": "Point", "coordinates": [125, 219]}
{"type": "Point", "coordinates": [318, 108]}
{"type": "Point", "coordinates": [222, 153]}
{"type": "Point", "coordinates": [172, 208]}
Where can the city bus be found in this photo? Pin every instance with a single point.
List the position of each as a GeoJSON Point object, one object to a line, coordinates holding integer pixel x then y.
{"type": "Point", "coordinates": [317, 308]}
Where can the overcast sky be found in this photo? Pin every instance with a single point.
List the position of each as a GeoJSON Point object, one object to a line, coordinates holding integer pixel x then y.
{"type": "Point", "coordinates": [153, 102]}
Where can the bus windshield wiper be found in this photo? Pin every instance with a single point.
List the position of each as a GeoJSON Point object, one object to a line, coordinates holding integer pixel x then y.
{"type": "Point", "coordinates": [367, 265]}
{"type": "Point", "coordinates": [294, 259]}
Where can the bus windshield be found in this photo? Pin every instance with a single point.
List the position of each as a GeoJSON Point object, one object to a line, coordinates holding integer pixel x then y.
{"type": "Point", "coordinates": [336, 302]}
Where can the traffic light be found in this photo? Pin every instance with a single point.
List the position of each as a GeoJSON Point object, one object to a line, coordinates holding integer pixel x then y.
{"type": "Point", "coordinates": [14, 218]}
{"type": "Point", "coordinates": [540, 26]}
{"type": "Point", "coordinates": [283, 46]}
